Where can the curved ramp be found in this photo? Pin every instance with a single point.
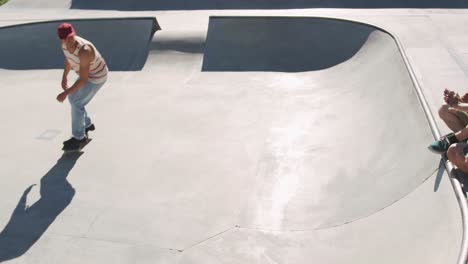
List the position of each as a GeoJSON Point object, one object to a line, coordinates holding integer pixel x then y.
{"type": "Point", "coordinates": [133, 36]}
{"type": "Point", "coordinates": [328, 142]}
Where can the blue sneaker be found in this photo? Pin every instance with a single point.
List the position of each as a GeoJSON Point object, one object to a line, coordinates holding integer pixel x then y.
{"type": "Point", "coordinates": [442, 145]}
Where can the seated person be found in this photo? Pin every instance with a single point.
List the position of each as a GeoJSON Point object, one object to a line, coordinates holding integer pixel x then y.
{"type": "Point", "coordinates": [455, 116]}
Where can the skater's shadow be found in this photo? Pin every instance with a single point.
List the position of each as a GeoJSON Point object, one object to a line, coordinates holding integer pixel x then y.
{"type": "Point", "coordinates": [28, 224]}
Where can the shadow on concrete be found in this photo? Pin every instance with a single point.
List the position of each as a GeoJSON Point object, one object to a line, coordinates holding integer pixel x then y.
{"type": "Point", "coordinates": [187, 45]}
{"type": "Point", "coordinates": [440, 174]}
{"type": "Point", "coordinates": [141, 5]}
{"type": "Point", "coordinates": [28, 224]}
{"type": "Point", "coordinates": [124, 43]}
{"type": "Point", "coordinates": [281, 44]}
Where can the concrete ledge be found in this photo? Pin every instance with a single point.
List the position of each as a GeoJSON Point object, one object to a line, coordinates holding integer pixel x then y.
{"type": "Point", "coordinates": [124, 42]}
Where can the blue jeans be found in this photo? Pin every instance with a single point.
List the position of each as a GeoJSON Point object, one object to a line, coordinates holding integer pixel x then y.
{"type": "Point", "coordinates": [78, 101]}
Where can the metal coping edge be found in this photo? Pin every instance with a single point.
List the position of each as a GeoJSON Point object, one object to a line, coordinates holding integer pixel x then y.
{"type": "Point", "coordinates": [462, 202]}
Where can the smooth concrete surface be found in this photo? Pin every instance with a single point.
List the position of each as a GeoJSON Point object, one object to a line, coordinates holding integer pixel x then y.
{"type": "Point", "coordinates": [192, 166]}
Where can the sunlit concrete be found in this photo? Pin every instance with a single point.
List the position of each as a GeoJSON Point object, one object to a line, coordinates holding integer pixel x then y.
{"type": "Point", "coordinates": [192, 166]}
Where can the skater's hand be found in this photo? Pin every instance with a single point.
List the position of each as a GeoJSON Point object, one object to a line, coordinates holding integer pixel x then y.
{"type": "Point", "coordinates": [62, 96]}
{"type": "Point", "coordinates": [64, 84]}
{"type": "Point", "coordinates": [452, 98]}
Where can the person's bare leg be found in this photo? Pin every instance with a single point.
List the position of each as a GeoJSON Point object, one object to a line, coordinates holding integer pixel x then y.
{"type": "Point", "coordinates": [456, 154]}
{"type": "Point", "coordinates": [451, 119]}
{"type": "Point", "coordinates": [462, 134]}
{"type": "Point", "coordinates": [455, 122]}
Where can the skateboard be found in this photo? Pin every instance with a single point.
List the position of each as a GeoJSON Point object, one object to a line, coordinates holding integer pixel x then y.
{"type": "Point", "coordinates": [68, 150]}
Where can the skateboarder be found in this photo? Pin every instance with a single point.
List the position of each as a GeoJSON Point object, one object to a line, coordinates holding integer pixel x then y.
{"type": "Point", "coordinates": [82, 57]}
{"type": "Point", "coordinates": [455, 115]}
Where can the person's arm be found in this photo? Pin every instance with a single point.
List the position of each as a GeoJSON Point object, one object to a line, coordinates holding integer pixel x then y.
{"type": "Point", "coordinates": [85, 54]}
{"type": "Point", "coordinates": [66, 70]}
{"type": "Point", "coordinates": [461, 107]}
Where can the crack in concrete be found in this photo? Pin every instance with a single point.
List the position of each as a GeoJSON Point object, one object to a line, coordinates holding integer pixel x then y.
{"type": "Point", "coordinates": [114, 241]}
{"type": "Point", "coordinates": [95, 220]}
{"type": "Point", "coordinates": [209, 238]}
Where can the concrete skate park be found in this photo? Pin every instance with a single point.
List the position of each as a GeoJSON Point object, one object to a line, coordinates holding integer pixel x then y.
{"type": "Point", "coordinates": [234, 132]}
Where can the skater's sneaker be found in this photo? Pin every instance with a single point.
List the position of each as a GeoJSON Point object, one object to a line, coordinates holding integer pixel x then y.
{"type": "Point", "coordinates": [71, 141]}
{"type": "Point", "coordinates": [68, 142]}
{"type": "Point", "coordinates": [74, 144]}
{"type": "Point", "coordinates": [442, 145]}
{"type": "Point", "coordinates": [90, 128]}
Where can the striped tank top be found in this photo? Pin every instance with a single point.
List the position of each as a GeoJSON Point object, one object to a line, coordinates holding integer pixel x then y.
{"type": "Point", "coordinates": [97, 69]}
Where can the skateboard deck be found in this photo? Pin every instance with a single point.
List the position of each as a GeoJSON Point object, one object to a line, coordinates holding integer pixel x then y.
{"type": "Point", "coordinates": [67, 150]}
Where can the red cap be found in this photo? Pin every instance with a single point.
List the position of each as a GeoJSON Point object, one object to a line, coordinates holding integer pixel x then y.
{"type": "Point", "coordinates": [65, 30]}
